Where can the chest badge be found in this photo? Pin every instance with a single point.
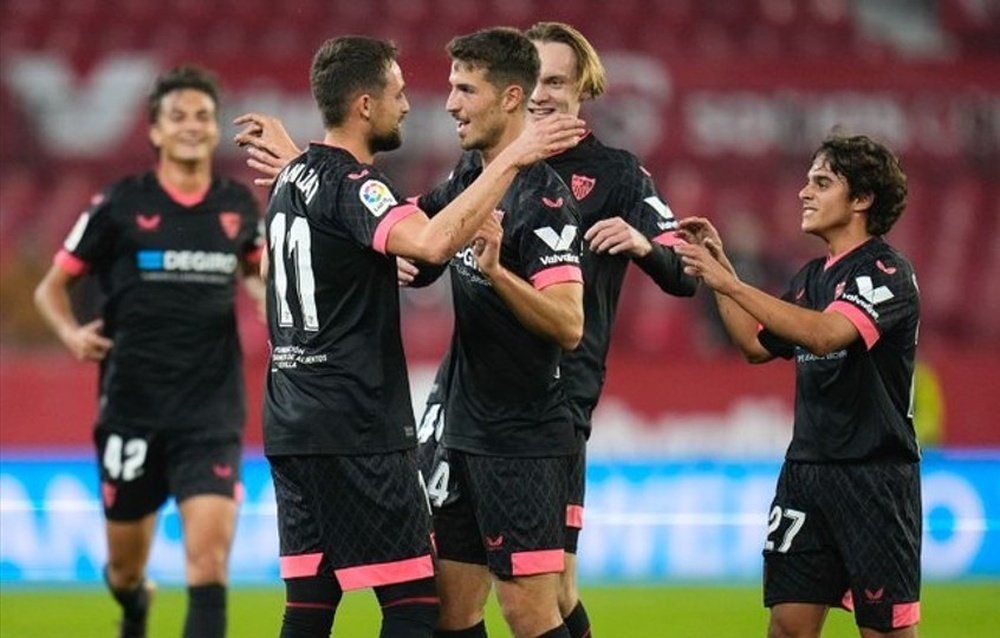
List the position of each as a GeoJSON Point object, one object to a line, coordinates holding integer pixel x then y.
{"type": "Point", "coordinates": [230, 223]}
{"type": "Point", "coordinates": [582, 185]}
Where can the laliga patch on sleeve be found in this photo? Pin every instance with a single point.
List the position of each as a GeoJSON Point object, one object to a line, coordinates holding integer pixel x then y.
{"type": "Point", "coordinates": [376, 197]}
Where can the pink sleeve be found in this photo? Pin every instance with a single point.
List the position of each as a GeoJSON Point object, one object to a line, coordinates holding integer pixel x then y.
{"type": "Point", "coordinates": [668, 238]}
{"type": "Point", "coordinates": [70, 262]}
{"type": "Point", "coordinates": [557, 275]}
{"type": "Point", "coordinates": [395, 215]}
{"type": "Point", "coordinates": [861, 321]}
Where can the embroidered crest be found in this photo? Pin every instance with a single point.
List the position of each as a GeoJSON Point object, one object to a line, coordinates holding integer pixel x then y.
{"type": "Point", "coordinates": [582, 185]}
{"type": "Point", "coordinates": [230, 223]}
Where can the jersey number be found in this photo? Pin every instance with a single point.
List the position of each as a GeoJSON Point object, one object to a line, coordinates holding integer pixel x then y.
{"type": "Point", "coordinates": [437, 485]}
{"type": "Point", "coordinates": [123, 459]}
{"type": "Point", "coordinates": [797, 518]}
{"type": "Point", "coordinates": [299, 247]}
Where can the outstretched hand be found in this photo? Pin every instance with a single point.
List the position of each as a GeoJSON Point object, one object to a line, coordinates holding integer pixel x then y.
{"type": "Point", "coordinates": [546, 137]}
{"type": "Point", "coordinates": [703, 255]}
{"type": "Point", "coordinates": [268, 144]}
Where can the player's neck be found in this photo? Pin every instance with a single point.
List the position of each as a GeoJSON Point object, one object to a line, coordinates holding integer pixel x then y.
{"type": "Point", "coordinates": [184, 177]}
{"type": "Point", "coordinates": [845, 240]}
{"type": "Point", "coordinates": [356, 145]}
{"type": "Point", "coordinates": [510, 134]}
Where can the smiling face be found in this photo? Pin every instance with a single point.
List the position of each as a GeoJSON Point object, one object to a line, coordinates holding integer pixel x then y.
{"type": "Point", "coordinates": [186, 130]}
{"type": "Point", "coordinates": [827, 207]}
{"type": "Point", "coordinates": [388, 112]}
{"type": "Point", "coordinates": [477, 106]}
{"type": "Point", "coordinates": [558, 88]}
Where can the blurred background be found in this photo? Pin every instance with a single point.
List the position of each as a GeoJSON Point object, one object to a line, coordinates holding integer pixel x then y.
{"type": "Point", "coordinates": [724, 101]}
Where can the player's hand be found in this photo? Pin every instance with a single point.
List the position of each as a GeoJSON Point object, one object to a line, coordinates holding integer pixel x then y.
{"type": "Point", "coordinates": [267, 143]}
{"type": "Point", "coordinates": [406, 271]}
{"type": "Point", "coordinates": [87, 343]}
{"type": "Point", "coordinates": [695, 230]}
{"type": "Point", "coordinates": [614, 236]}
{"type": "Point", "coordinates": [544, 138]}
{"type": "Point", "coordinates": [486, 246]}
{"type": "Point", "coordinates": [708, 262]}
{"type": "Point", "coordinates": [698, 230]}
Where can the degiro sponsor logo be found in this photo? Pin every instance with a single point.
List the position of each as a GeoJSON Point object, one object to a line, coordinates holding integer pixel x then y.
{"type": "Point", "coordinates": [187, 261]}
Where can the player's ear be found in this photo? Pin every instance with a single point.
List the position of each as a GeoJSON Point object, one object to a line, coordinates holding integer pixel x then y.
{"type": "Point", "coordinates": [512, 99]}
{"type": "Point", "coordinates": [155, 135]}
{"type": "Point", "coordinates": [863, 202]}
{"type": "Point", "coordinates": [363, 104]}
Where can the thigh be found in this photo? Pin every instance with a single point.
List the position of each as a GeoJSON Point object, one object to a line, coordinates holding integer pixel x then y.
{"type": "Point", "coordinates": [456, 528]}
{"type": "Point", "coordinates": [362, 519]}
{"type": "Point", "coordinates": [132, 472]}
{"type": "Point", "coordinates": [520, 505]}
{"type": "Point", "coordinates": [876, 514]}
{"type": "Point", "coordinates": [801, 562]}
{"type": "Point", "coordinates": [203, 463]}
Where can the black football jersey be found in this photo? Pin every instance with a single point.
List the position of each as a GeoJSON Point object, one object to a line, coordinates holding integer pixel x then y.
{"type": "Point", "coordinates": [168, 265]}
{"type": "Point", "coordinates": [337, 381]}
{"type": "Point", "coordinates": [608, 182]}
{"type": "Point", "coordinates": [856, 404]}
{"type": "Point", "coordinates": [506, 395]}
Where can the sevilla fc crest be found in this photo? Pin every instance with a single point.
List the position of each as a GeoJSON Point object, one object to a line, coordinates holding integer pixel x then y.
{"type": "Point", "coordinates": [230, 223]}
{"type": "Point", "coordinates": [582, 185]}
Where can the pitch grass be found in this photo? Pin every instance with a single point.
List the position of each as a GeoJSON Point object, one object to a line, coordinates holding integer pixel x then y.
{"type": "Point", "coordinates": [967, 610]}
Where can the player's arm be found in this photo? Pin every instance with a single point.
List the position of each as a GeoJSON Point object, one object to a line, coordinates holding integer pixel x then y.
{"type": "Point", "coordinates": [554, 311]}
{"type": "Point", "coordinates": [437, 240]}
{"type": "Point", "coordinates": [743, 306]}
{"type": "Point", "coordinates": [644, 231]}
{"type": "Point", "coordinates": [253, 271]}
{"type": "Point", "coordinates": [615, 235]}
{"type": "Point", "coordinates": [52, 300]}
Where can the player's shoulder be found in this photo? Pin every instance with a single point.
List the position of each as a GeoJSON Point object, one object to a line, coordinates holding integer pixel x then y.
{"type": "Point", "coordinates": [594, 158]}
{"type": "Point", "coordinates": [878, 253]}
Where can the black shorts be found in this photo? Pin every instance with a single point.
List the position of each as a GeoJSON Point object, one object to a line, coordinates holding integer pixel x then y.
{"type": "Point", "coordinates": [510, 517]}
{"type": "Point", "coordinates": [847, 536]}
{"type": "Point", "coordinates": [363, 520]}
{"type": "Point", "coordinates": [577, 490]}
{"type": "Point", "coordinates": [140, 468]}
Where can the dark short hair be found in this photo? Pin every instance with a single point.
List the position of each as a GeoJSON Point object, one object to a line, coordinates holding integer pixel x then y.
{"type": "Point", "coordinates": [181, 77]}
{"type": "Point", "coordinates": [505, 53]}
{"type": "Point", "coordinates": [868, 168]}
{"type": "Point", "coordinates": [345, 67]}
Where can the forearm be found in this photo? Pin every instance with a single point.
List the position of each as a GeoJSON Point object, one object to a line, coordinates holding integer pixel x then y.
{"type": "Point", "coordinates": [555, 317]}
{"type": "Point", "coordinates": [816, 331]}
{"type": "Point", "coordinates": [453, 228]}
{"type": "Point", "coordinates": [53, 304]}
{"type": "Point", "coordinates": [662, 265]}
{"type": "Point", "coordinates": [742, 328]}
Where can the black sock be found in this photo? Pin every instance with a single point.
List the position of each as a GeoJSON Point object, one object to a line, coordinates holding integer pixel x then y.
{"type": "Point", "coordinates": [577, 622]}
{"type": "Point", "coordinates": [206, 612]}
{"type": "Point", "coordinates": [476, 631]}
{"type": "Point", "coordinates": [135, 608]}
{"type": "Point", "coordinates": [414, 620]}
{"type": "Point", "coordinates": [557, 632]}
{"type": "Point", "coordinates": [409, 609]}
{"type": "Point", "coordinates": [310, 605]}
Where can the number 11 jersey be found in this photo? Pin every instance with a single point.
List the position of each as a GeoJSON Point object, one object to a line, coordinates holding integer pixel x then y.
{"type": "Point", "coordinates": [337, 381]}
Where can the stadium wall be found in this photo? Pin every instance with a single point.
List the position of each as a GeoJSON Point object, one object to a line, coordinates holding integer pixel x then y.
{"type": "Point", "coordinates": [646, 520]}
